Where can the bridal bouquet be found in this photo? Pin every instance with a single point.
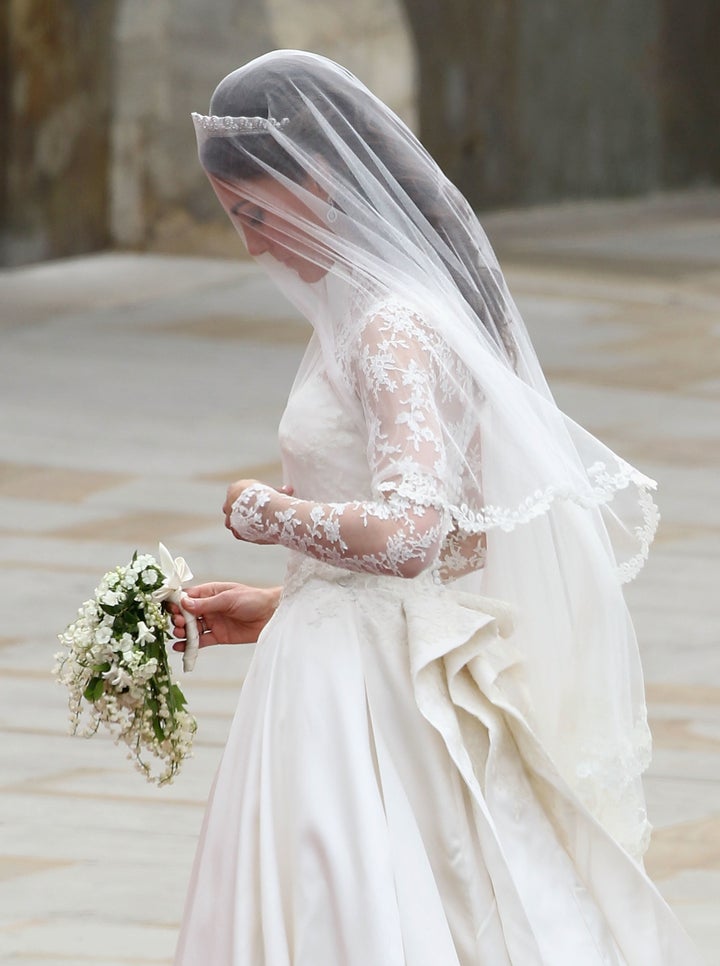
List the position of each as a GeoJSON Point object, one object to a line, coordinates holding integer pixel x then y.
{"type": "Point", "coordinates": [116, 667]}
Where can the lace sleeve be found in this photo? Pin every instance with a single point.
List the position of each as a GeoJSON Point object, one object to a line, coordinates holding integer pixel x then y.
{"type": "Point", "coordinates": [400, 531]}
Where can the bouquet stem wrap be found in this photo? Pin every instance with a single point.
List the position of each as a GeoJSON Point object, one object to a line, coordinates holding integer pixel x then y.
{"type": "Point", "coordinates": [177, 573]}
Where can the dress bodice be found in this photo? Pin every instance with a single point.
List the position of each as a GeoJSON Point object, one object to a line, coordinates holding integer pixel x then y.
{"type": "Point", "coordinates": [323, 443]}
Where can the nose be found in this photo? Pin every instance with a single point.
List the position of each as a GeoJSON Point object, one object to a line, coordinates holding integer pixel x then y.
{"type": "Point", "coordinates": [256, 243]}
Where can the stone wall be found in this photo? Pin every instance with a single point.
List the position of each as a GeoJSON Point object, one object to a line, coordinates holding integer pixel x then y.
{"type": "Point", "coordinates": [98, 149]}
{"type": "Point", "coordinates": [586, 99]}
{"type": "Point", "coordinates": [526, 102]}
{"type": "Point", "coordinates": [520, 101]}
{"type": "Point", "coordinates": [689, 81]}
{"type": "Point", "coordinates": [55, 117]}
{"type": "Point", "coordinates": [169, 54]}
{"type": "Point", "coordinates": [169, 57]}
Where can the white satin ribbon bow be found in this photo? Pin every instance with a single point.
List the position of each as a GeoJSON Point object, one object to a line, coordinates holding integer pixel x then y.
{"type": "Point", "coordinates": [177, 573]}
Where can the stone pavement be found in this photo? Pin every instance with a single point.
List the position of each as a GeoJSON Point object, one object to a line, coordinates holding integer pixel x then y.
{"type": "Point", "coordinates": [133, 387]}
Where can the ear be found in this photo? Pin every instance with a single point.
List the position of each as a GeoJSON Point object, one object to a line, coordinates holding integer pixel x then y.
{"type": "Point", "coordinates": [324, 171]}
{"type": "Point", "coordinates": [314, 188]}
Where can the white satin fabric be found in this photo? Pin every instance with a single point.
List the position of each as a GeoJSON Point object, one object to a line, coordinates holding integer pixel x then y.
{"type": "Point", "coordinates": [382, 800]}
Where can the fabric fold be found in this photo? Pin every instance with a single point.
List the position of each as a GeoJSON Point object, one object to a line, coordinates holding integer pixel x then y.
{"type": "Point", "coordinates": [467, 681]}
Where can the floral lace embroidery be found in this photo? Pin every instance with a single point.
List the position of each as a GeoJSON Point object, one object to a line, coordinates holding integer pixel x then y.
{"type": "Point", "coordinates": [422, 514]}
{"type": "Point", "coordinates": [461, 553]}
{"type": "Point", "coordinates": [607, 781]}
{"type": "Point", "coordinates": [629, 569]}
{"type": "Point", "coordinates": [391, 536]}
{"type": "Point", "coordinates": [603, 487]}
{"type": "Point", "coordinates": [401, 531]}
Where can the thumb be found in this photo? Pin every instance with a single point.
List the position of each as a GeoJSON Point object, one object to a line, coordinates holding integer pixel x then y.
{"type": "Point", "coordinates": [200, 606]}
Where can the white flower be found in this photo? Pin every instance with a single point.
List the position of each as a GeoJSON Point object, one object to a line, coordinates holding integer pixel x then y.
{"type": "Point", "coordinates": [88, 611]}
{"type": "Point", "coordinates": [144, 634]}
{"type": "Point", "coordinates": [118, 677]}
{"type": "Point", "coordinates": [148, 576]}
{"type": "Point", "coordinates": [110, 597]}
{"type": "Point", "coordinates": [100, 653]}
{"type": "Point", "coordinates": [103, 634]}
{"type": "Point", "coordinates": [146, 671]}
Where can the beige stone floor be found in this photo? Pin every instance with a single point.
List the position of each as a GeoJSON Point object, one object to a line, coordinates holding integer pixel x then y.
{"type": "Point", "coordinates": [132, 387]}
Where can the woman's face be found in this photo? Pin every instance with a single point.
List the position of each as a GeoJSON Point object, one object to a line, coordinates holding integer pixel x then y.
{"type": "Point", "coordinates": [267, 214]}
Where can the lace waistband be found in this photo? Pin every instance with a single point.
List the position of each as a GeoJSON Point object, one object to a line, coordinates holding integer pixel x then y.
{"type": "Point", "coordinates": [301, 569]}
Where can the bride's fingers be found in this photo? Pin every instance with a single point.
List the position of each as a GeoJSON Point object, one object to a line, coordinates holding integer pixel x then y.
{"type": "Point", "coordinates": [178, 623]}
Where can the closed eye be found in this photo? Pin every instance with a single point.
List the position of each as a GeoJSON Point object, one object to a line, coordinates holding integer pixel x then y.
{"type": "Point", "coordinates": [251, 215]}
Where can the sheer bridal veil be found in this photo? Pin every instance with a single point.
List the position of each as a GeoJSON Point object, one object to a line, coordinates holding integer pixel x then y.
{"type": "Point", "coordinates": [351, 217]}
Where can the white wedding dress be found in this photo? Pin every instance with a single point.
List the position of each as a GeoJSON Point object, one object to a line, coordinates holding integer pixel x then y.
{"type": "Point", "coordinates": [381, 800]}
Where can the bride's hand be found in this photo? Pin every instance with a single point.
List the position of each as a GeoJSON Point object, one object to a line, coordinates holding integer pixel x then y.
{"type": "Point", "coordinates": [227, 613]}
{"type": "Point", "coordinates": [236, 490]}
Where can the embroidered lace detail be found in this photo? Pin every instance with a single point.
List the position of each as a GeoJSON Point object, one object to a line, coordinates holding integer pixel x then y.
{"type": "Point", "coordinates": [607, 781]}
{"type": "Point", "coordinates": [302, 569]}
{"type": "Point", "coordinates": [393, 536]}
{"type": "Point", "coordinates": [603, 485]}
{"type": "Point", "coordinates": [390, 332]}
{"type": "Point", "coordinates": [420, 515]}
{"type": "Point", "coordinates": [238, 125]}
{"type": "Point", "coordinates": [461, 553]}
{"type": "Point", "coordinates": [629, 569]}
{"type": "Point", "coordinates": [400, 531]}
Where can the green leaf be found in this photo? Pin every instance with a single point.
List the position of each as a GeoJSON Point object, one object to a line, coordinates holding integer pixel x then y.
{"type": "Point", "coordinates": [178, 698]}
{"type": "Point", "coordinates": [112, 609]}
{"type": "Point", "coordinates": [94, 690]}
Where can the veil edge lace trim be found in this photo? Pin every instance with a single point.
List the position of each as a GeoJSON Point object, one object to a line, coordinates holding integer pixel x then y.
{"type": "Point", "coordinates": [604, 485]}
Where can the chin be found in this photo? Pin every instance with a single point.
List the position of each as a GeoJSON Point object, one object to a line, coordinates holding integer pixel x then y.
{"type": "Point", "coordinates": [311, 273]}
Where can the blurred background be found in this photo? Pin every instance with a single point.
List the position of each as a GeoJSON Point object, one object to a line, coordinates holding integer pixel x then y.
{"type": "Point", "coordinates": [521, 102]}
{"type": "Point", "coordinates": [144, 365]}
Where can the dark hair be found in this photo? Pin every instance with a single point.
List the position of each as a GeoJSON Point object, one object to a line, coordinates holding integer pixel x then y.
{"type": "Point", "coordinates": [267, 93]}
{"type": "Point", "coordinates": [275, 92]}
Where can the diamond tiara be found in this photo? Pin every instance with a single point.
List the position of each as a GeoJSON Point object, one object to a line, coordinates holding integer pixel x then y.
{"type": "Point", "coordinates": [238, 125]}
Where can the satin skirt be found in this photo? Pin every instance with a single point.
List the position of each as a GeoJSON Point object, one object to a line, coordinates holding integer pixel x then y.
{"type": "Point", "coordinates": [376, 805]}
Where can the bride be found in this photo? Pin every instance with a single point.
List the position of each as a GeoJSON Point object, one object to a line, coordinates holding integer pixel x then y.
{"type": "Point", "coordinates": [437, 753]}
